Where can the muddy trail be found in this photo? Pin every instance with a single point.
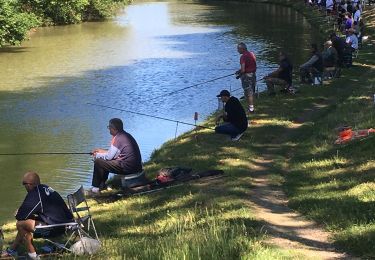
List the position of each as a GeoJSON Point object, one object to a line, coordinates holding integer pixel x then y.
{"type": "Point", "coordinates": [286, 228]}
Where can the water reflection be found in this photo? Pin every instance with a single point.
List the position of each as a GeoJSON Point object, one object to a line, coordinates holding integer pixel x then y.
{"type": "Point", "coordinates": [124, 63]}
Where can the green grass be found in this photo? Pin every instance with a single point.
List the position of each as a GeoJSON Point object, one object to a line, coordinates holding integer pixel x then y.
{"type": "Point", "coordinates": [331, 184]}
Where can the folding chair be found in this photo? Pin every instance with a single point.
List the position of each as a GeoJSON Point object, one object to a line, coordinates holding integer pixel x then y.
{"type": "Point", "coordinates": [81, 211]}
{"type": "Point", "coordinates": [83, 225]}
{"type": "Point", "coordinates": [47, 232]}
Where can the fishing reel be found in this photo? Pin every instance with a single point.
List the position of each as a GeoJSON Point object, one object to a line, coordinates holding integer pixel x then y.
{"type": "Point", "coordinates": [238, 74]}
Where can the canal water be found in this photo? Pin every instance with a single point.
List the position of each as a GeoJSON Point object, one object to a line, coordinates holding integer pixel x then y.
{"type": "Point", "coordinates": [147, 51]}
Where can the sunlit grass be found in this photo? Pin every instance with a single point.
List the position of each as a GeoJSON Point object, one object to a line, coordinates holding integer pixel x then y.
{"type": "Point", "coordinates": [214, 220]}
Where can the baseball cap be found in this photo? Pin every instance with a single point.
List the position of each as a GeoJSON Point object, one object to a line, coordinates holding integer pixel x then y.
{"type": "Point", "coordinates": [224, 93]}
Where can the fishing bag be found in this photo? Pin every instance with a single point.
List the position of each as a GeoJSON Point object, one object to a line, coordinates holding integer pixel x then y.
{"type": "Point", "coordinates": [168, 175]}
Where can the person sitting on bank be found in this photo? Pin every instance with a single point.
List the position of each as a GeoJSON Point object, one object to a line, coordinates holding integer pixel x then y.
{"type": "Point", "coordinates": [42, 205]}
{"type": "Point", "coordinates": [313, 67]}
{"type": "Point", "coordinates": [282, 76]}
{"type": "Point", "coordinates": [234, 117]}
{"type": "Point", "coordinates": [123, 157]}
{"type": "Point", "coordinates": [329, 55]}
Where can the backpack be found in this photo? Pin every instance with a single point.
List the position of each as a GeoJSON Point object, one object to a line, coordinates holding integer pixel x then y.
{"type": "Point", "coordinates": [171, 174]}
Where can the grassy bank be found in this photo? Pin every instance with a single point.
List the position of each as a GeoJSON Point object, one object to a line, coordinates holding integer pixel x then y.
{"type": "Point", "coordinates": [214, 219]}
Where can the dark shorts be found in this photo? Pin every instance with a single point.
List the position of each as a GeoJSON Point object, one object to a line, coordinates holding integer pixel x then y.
{"type": "Point", "coordinates": [48, 232]}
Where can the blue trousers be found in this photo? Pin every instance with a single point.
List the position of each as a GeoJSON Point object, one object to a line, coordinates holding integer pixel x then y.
{"type": "Point", "coordinates": [227, 129]}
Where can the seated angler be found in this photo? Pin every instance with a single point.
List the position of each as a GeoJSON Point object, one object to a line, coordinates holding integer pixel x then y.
{"type": "Point", "coordinates": [282, 76]}
{"type": "Point", "coordinates": [234, 117]}
{"type": "Point", "coordinates": [123, 157]}
{"type": "Point", "coordinates": [313, 67]}
{"type": "Point", "coordinates": [42, 205]}
{"type": "Point", "coordinates": [329, 55]}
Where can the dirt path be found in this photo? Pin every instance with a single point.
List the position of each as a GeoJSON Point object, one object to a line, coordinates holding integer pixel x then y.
{"type": "Point", "coordinates": [288, 229]}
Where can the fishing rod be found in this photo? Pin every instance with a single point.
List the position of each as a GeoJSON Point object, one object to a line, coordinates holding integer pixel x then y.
{"type": "Point", "coordinates": [258, 67]}
{"type": "Point", "coordinates": [152, 116]}
{"type": "Point", "coordinates": [192, 86]}
{"type": "Point", "coordinates": [44, 153]}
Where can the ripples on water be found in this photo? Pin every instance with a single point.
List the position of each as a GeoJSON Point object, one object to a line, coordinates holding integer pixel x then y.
{"type": "Point", "coordinates": [124, 63]}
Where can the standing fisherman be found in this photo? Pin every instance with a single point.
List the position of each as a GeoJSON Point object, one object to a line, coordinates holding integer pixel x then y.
{"type": "Point", "coordinates": [247, 74]}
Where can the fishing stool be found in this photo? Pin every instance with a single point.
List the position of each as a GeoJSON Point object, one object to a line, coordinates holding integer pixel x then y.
{"type": "Point", "coordinates": [331, 72]}
{"type": "Point", "coordinates": [134, 180]}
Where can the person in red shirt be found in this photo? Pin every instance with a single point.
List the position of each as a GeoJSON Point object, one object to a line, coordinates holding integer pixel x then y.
{"type": "Point", "coordinates": [247, 74]}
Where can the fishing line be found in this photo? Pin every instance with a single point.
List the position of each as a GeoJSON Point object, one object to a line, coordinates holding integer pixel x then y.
{"type": "Point", "coordinates": [152, 116]}
{"type": "Point", "coordinates": [44, 153]}
{"type": "Point", "coordinates": [192, 86]}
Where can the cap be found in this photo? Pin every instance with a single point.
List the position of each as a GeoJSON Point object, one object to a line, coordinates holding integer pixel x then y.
{"type": "Point", "coordinates": [224, 93]}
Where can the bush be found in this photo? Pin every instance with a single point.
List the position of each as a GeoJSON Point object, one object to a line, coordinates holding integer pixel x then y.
{"type": "Point", "coordinates": [14, 24]}
{"type": "Point", "coordinates": [17, 17]}
{"type": "Point", "coordinates": [56, 11]}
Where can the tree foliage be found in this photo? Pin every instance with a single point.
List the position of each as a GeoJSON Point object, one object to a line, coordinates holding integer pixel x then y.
{"type": "Point", "coordinates": [17, 17]}
{"type": "Point", "coordinates": [14, 23]}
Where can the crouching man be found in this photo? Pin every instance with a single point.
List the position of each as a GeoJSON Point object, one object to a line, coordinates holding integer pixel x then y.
{"type": "Point", "coordinates": [42, 205]}
{"type": "Point", "coordinates": [234, 117]}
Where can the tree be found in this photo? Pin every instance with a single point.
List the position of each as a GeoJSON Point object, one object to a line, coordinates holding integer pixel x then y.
{"type": "Point", "coordinates": [14, 24]}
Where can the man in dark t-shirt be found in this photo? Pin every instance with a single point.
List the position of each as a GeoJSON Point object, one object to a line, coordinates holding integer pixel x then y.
{"type": "Point", "coordinates": [234, 117]}
{"type": "Point", "coordinates": [123, 157]}
{"type": "Point", "coordinates": [339, 44]}
{"type": "Point", "coordinates": [282, 76]}
{"type": "Point", "coordinates": [42, 205]}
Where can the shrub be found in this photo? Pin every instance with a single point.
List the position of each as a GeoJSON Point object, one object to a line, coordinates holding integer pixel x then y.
{"type": "Point", "coordinates": [14, 24]}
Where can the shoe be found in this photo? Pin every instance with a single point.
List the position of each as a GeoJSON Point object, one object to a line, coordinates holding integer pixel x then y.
{"type": "Point", "coordinates": [32, 257]}
{"type": "Point", "coordinates": [237, 137]}
{"type": "Point", "coordinates": [9, 253]}
{"type": "Point", "coordinates": [92, 193]}
{"type": "Point", "coordinates": [292, 90]}
{"type": "Point", "coordinates": [251, 110]}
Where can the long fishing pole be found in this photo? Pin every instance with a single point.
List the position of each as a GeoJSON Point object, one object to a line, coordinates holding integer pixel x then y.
{"type": "Point", "coordinates": [152, 116]}
{"type": "Point", "coordinates": [43, 153]}
{"type": "Point", "coordinates": [192, 86]}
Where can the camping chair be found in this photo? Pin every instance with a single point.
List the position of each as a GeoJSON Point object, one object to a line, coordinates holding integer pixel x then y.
{"type": "Point", "coordinates": [49, 232]}
{"type": "Point", "coordinates": [82, 215]}
{"type": "Point", "coordinates": [83, 225]}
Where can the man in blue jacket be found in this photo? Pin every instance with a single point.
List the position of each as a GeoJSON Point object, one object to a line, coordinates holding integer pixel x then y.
{"type": "Point", "coordinates": [42, 205]}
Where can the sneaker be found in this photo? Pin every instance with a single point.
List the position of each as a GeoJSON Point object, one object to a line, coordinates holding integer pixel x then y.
{"type": "Point", "coordinates": [237, 137]}
{"type": "Point", "coordinates": [32, 256]}
{"type": "Point", "coordinates": [93, 192]}
{"type": "Point", "coordinates": [9, 253]}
